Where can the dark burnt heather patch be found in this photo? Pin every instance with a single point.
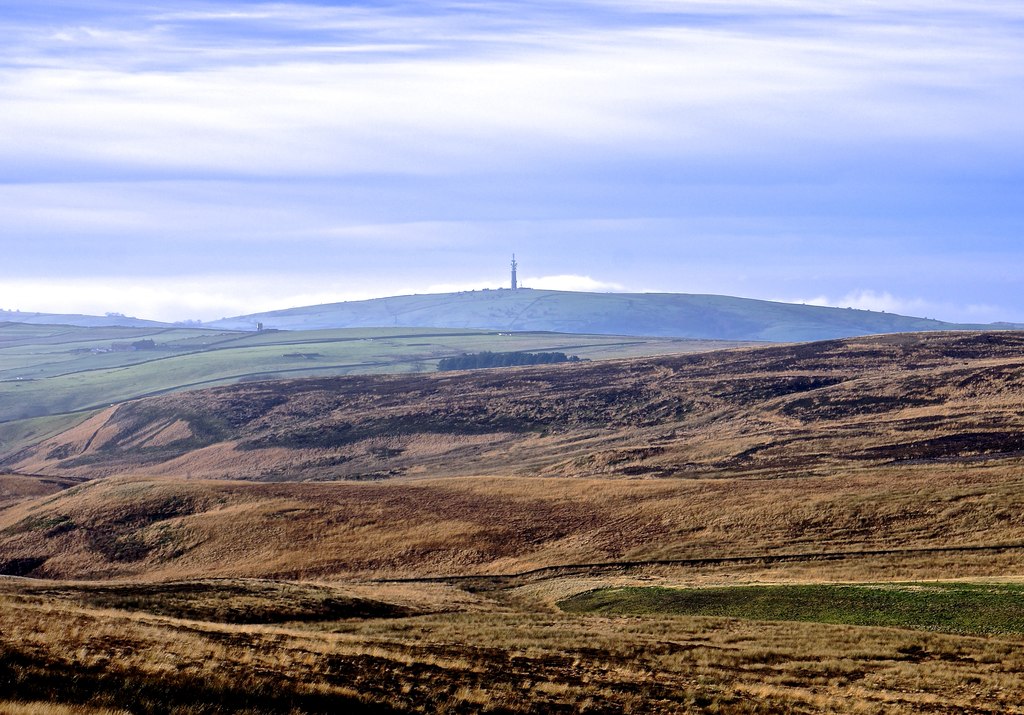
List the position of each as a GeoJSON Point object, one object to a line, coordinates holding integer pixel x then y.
{"type": "Point", "coordinates": [33, 676]}
{"type": "Point", "coordinates": [980, 345]}
{"type": "Point", "coordinates": [963, 444]}
{"type": "Point", "coordinates": [746, 390]}
{"type": "Point", "coordinates": [989, 381]}
{"type": "Point", "coordinates": [23, 566]}
{"type": "Point", "coordinates": [223, 601]}
{"type": "Point", "coordinates": [837, 405]}
{"type": "Point", "coordinates": [862, 356]}
{"type": "Point", "coordinates": [343, 434]}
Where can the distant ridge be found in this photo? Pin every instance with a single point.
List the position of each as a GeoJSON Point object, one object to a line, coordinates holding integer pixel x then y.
{"type": "Point", "coordinates": [81, 321]}
{"type": "Point", "coordinates": [654, 314]}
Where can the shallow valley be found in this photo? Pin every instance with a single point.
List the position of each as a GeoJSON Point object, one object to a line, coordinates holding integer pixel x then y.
{"type": "Point", "coordinates": [832, 526]}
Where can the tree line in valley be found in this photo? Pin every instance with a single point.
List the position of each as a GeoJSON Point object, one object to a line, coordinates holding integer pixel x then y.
{"type": "Point", "coordinates": [472, 361]}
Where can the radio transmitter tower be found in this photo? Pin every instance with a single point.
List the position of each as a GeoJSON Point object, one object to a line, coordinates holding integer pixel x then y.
{"type": "Point", "coordinates": [515, 284]}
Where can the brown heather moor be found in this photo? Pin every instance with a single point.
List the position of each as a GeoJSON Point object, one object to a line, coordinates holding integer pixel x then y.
{"type": "Point", "coordinates": [399, 544]}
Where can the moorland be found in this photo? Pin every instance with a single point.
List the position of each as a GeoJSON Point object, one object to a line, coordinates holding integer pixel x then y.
{"type": "Point", "coordinates": [821, 527]}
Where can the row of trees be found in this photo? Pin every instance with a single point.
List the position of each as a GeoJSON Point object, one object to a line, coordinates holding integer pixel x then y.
{"type": "Point", "coordinates": [471, 361]}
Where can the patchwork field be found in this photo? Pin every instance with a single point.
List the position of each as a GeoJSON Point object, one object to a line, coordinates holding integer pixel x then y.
{"type": "Point", "coordinates": [827, 527]}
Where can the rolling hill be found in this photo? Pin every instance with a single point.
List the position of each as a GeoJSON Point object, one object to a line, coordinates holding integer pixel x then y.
{"type": "Point", "coordinates": [829, 423]}
{"type": "Point", "coordinates": [655, 314]}
{"type": "Point", "coordinates": [82, 321]}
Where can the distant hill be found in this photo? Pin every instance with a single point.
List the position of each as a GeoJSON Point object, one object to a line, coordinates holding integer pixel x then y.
{"type": "Point", "coordinates": [655, 314]}
{"type": "Point", "coordinates": [673, 315]}
{"type": "Point", "coordinates": [81, 321]}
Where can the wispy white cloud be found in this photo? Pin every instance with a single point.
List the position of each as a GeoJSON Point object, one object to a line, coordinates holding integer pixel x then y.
{"type": "Point", "coordinates": [193, 297]}
{"type": "Point", "coordinates": [211, 296]}
{"type": "Point", "coordinates": [872, 300]}
{"type": "Point", "coordinates": [744, 146]}
{"type": "Point", "coordinates": [672, 90]}
{"type": "Point", "coordinates": [914, 306]}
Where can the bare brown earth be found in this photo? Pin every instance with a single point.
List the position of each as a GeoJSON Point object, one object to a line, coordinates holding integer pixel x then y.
{"type": "Point", "coordinates": [463, 506]}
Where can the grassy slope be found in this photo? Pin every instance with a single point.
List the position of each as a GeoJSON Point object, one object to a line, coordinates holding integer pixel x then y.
{"type": "Point", "coordinates": [965, 608]}
{"type": "Point", "coordinates": [489, 659]}
{"type": "Point", "coordinates": [667, 314]}
{"type": "Point", "coordinates": [176, 529]}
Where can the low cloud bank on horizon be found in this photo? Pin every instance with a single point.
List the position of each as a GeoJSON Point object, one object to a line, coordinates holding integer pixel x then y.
{"type": "Point", "coordinates": [190, 299]}
{"type": "Point", "coordinates": [191, 159]}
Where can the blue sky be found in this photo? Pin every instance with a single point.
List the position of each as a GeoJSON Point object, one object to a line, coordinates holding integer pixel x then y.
{"type": "Point", "coordinates": [201, 159]}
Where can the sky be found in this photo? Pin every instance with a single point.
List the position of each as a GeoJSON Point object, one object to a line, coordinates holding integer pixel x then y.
{"type": "Point", "coordinates": [193, 160]}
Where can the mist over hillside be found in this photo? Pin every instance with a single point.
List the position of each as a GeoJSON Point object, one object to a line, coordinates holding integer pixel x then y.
{"type": "Point", "coordinates": [655, 314]}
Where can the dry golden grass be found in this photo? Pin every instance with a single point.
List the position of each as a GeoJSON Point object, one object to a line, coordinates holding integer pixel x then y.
{"type": "Point", "coordinates": [173, 529]}
{"type": "Point", "coordinates": [521, 662]}
{"type": "Point", "coordinates": [11, 707]}
{"type": "Point", "coordinates": [16, 488]}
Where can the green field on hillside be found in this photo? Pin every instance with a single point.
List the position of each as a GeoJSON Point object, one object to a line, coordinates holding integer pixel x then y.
{"type": "Point", "coordinates": [964, 608]}
{"type": "Point", "coordinates": [48, 371]}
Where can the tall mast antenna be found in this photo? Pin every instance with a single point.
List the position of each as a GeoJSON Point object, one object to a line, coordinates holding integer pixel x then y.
{"type": "Point", "coordinates": [515, 284]}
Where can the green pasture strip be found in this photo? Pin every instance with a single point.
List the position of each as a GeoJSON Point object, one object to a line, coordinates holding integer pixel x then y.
{"type": "Point", "coordinates": [962, 608]}
{"type": "Point", "coordinates": [97, 388]}
{"type": "Point", "coordinates": [58, 336]}
{"type": "Point", "coordinates": [278, 337]}
{"type": "Point", "coordinates": [44, 366]}
{"type": "Point", "coordinates": [37, 354]}
{"type": "Point", "coordinates": [20, 434]}
{"type": "Point", "coordinates": [271, 355]}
